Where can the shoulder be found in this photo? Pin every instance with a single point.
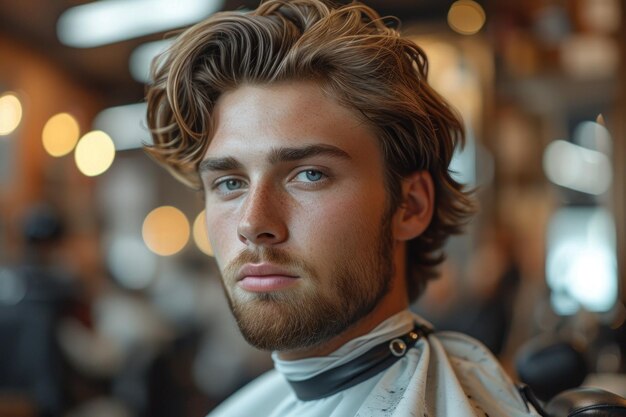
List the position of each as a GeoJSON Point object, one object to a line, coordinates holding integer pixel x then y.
{"type": "Point", "coordinates": [472, 360]}
{"type": "Point", "coordinates": [258, 398]}
{"type": "Point", "coordinates": [463, 347]}
{"type": "Point", "coordinates": [478, 373]}
{"type": "Point", "coordinates": [468, 356]}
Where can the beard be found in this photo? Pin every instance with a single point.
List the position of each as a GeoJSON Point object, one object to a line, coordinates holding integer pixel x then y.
{"type": "Point", "coordinates": [318, 308]}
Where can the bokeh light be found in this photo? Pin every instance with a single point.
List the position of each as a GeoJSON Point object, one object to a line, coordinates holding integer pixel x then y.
{"type": "Point", "coordinates": [577, 168]}
{"type": "Point", "coordinates": [141, 58]}
{"type": "Point", "coordinates": [95, 153]}
{"type": "Point", "coordinates": [125, 124]}
{"type": "Point", "coordinates": [200, 234]}
{"type": "Point", "coordinates": [581, 266]}
{"type": "Point", "coordinates": [594, 136]}
{"type": "Point", "coordinates": [165, 230]}
{"type": "Point", "coordinates": [99, 23]}
{"type": "Point", "coordinates": [466, 17]}
{"type": "Point", "coordinates": [10, 113]}
{"type": "Point", "coordinates": [60, 134]}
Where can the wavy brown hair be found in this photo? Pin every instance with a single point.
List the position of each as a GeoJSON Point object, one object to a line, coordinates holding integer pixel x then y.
{"type": "Point", "coordinates": [355, 58]}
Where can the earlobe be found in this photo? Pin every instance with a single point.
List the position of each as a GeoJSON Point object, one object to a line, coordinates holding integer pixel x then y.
{"type": "Point", "coordinates": [416, 210]}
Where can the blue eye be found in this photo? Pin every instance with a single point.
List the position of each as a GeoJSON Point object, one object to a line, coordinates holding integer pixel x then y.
{"type": "Point", "coordinates": [230, 184]}
{"type": "Point", "coordinates": [310, 175]}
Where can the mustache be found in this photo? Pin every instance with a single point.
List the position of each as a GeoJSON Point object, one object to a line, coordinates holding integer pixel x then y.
{"type": "Point", "coordinates": [267, 255]}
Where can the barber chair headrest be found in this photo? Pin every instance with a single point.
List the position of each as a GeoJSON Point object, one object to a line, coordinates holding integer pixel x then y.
{"type": "Point", "coordinates": [550, 366]}
{"type": "Point", "coordinates": [586, 402]}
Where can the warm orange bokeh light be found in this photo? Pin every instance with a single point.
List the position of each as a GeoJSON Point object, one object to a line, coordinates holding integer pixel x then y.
{"type": "Point", "coordinates": [165, 230]}
{"type": "Point", "coordinates": [95, 153]}
{"type": "Point", "coordinates": [60, 134]}
{"type": "Point", "coordinates": [10, 113]}
{"type": "Point", "coordinates": [200, 234]}
{"type": "Point", "coordinates": [466, 17]}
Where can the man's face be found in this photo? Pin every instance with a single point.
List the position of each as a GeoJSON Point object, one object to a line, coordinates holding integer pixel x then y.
{"type": "Point", "coordinates": [296, 213]}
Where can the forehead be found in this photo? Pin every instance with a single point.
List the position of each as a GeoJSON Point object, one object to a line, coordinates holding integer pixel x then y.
{"type": "Point", "coordinates": [255, 118]}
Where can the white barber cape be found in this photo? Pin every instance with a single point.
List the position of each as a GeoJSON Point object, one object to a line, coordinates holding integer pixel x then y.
{"type": "Point", "coordinates": [445, 374]}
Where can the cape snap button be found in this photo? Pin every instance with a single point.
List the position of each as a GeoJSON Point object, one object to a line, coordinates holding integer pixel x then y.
{"type": "Point", "coordinates": [397, 347]}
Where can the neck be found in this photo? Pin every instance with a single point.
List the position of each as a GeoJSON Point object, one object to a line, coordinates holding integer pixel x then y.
{"type": "Point", "coordinates": [395, 301]}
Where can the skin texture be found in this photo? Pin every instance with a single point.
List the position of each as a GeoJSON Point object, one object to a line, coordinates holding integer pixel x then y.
{"type": "Point", "coordinates": [320, 218]}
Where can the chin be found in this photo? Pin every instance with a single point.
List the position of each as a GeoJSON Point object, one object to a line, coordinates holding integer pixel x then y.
{"type": "Point", "coordinates": [281, 321]}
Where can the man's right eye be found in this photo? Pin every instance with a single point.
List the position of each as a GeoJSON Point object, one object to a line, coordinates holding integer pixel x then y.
{"type": "Point", "coordinates": [229, 185]}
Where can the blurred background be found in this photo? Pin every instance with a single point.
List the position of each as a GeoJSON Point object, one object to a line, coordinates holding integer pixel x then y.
{"type": "Point", "coordinates": [110, 301]}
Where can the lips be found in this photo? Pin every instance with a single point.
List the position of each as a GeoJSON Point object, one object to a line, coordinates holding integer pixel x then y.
{"type": "Point", "coordinates": [265, 278]}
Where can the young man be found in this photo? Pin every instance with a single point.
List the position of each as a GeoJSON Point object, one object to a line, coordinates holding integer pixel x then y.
{"type": "Point", "coordinates": [323, 155]}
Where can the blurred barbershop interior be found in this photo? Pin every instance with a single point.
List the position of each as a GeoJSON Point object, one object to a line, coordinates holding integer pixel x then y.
{"type": "Point", "coordinates": [110, 301]}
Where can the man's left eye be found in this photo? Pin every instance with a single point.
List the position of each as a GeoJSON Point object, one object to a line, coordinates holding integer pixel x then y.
{"type": "Point", "coordinates": [310, 175]}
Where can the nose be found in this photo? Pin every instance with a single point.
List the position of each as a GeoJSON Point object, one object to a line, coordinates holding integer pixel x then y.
{"type": "Point", "coordinates": [262, 222]}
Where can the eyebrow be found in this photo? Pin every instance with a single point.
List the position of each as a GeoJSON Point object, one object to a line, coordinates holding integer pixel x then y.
{"type": "Point", "coordinates": [219, 164]}
{"type": "Point", "coordinates": [275, 156]}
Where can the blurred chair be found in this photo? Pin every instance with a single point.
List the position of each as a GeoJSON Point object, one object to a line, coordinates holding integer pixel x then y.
{"type": "Point", "coordinates": [553, 370]}
{"type": "Point", "coordinates": [550, 365]}
{"type": "Point", "coordinates": [587, 402]}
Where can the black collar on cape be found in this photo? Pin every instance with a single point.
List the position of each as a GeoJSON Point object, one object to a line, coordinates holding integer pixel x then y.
{"type": "Point", "coordinates": [359, 369]}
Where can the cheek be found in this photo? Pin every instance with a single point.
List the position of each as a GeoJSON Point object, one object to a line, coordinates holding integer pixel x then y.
{"type": "Point", "coordinates": [340, 224]}
{"type": "Point", "coordinates": [222, 233]}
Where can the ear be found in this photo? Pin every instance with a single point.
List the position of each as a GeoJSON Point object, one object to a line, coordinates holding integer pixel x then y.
{"type": "Point", "coordinates": [415, 211]}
